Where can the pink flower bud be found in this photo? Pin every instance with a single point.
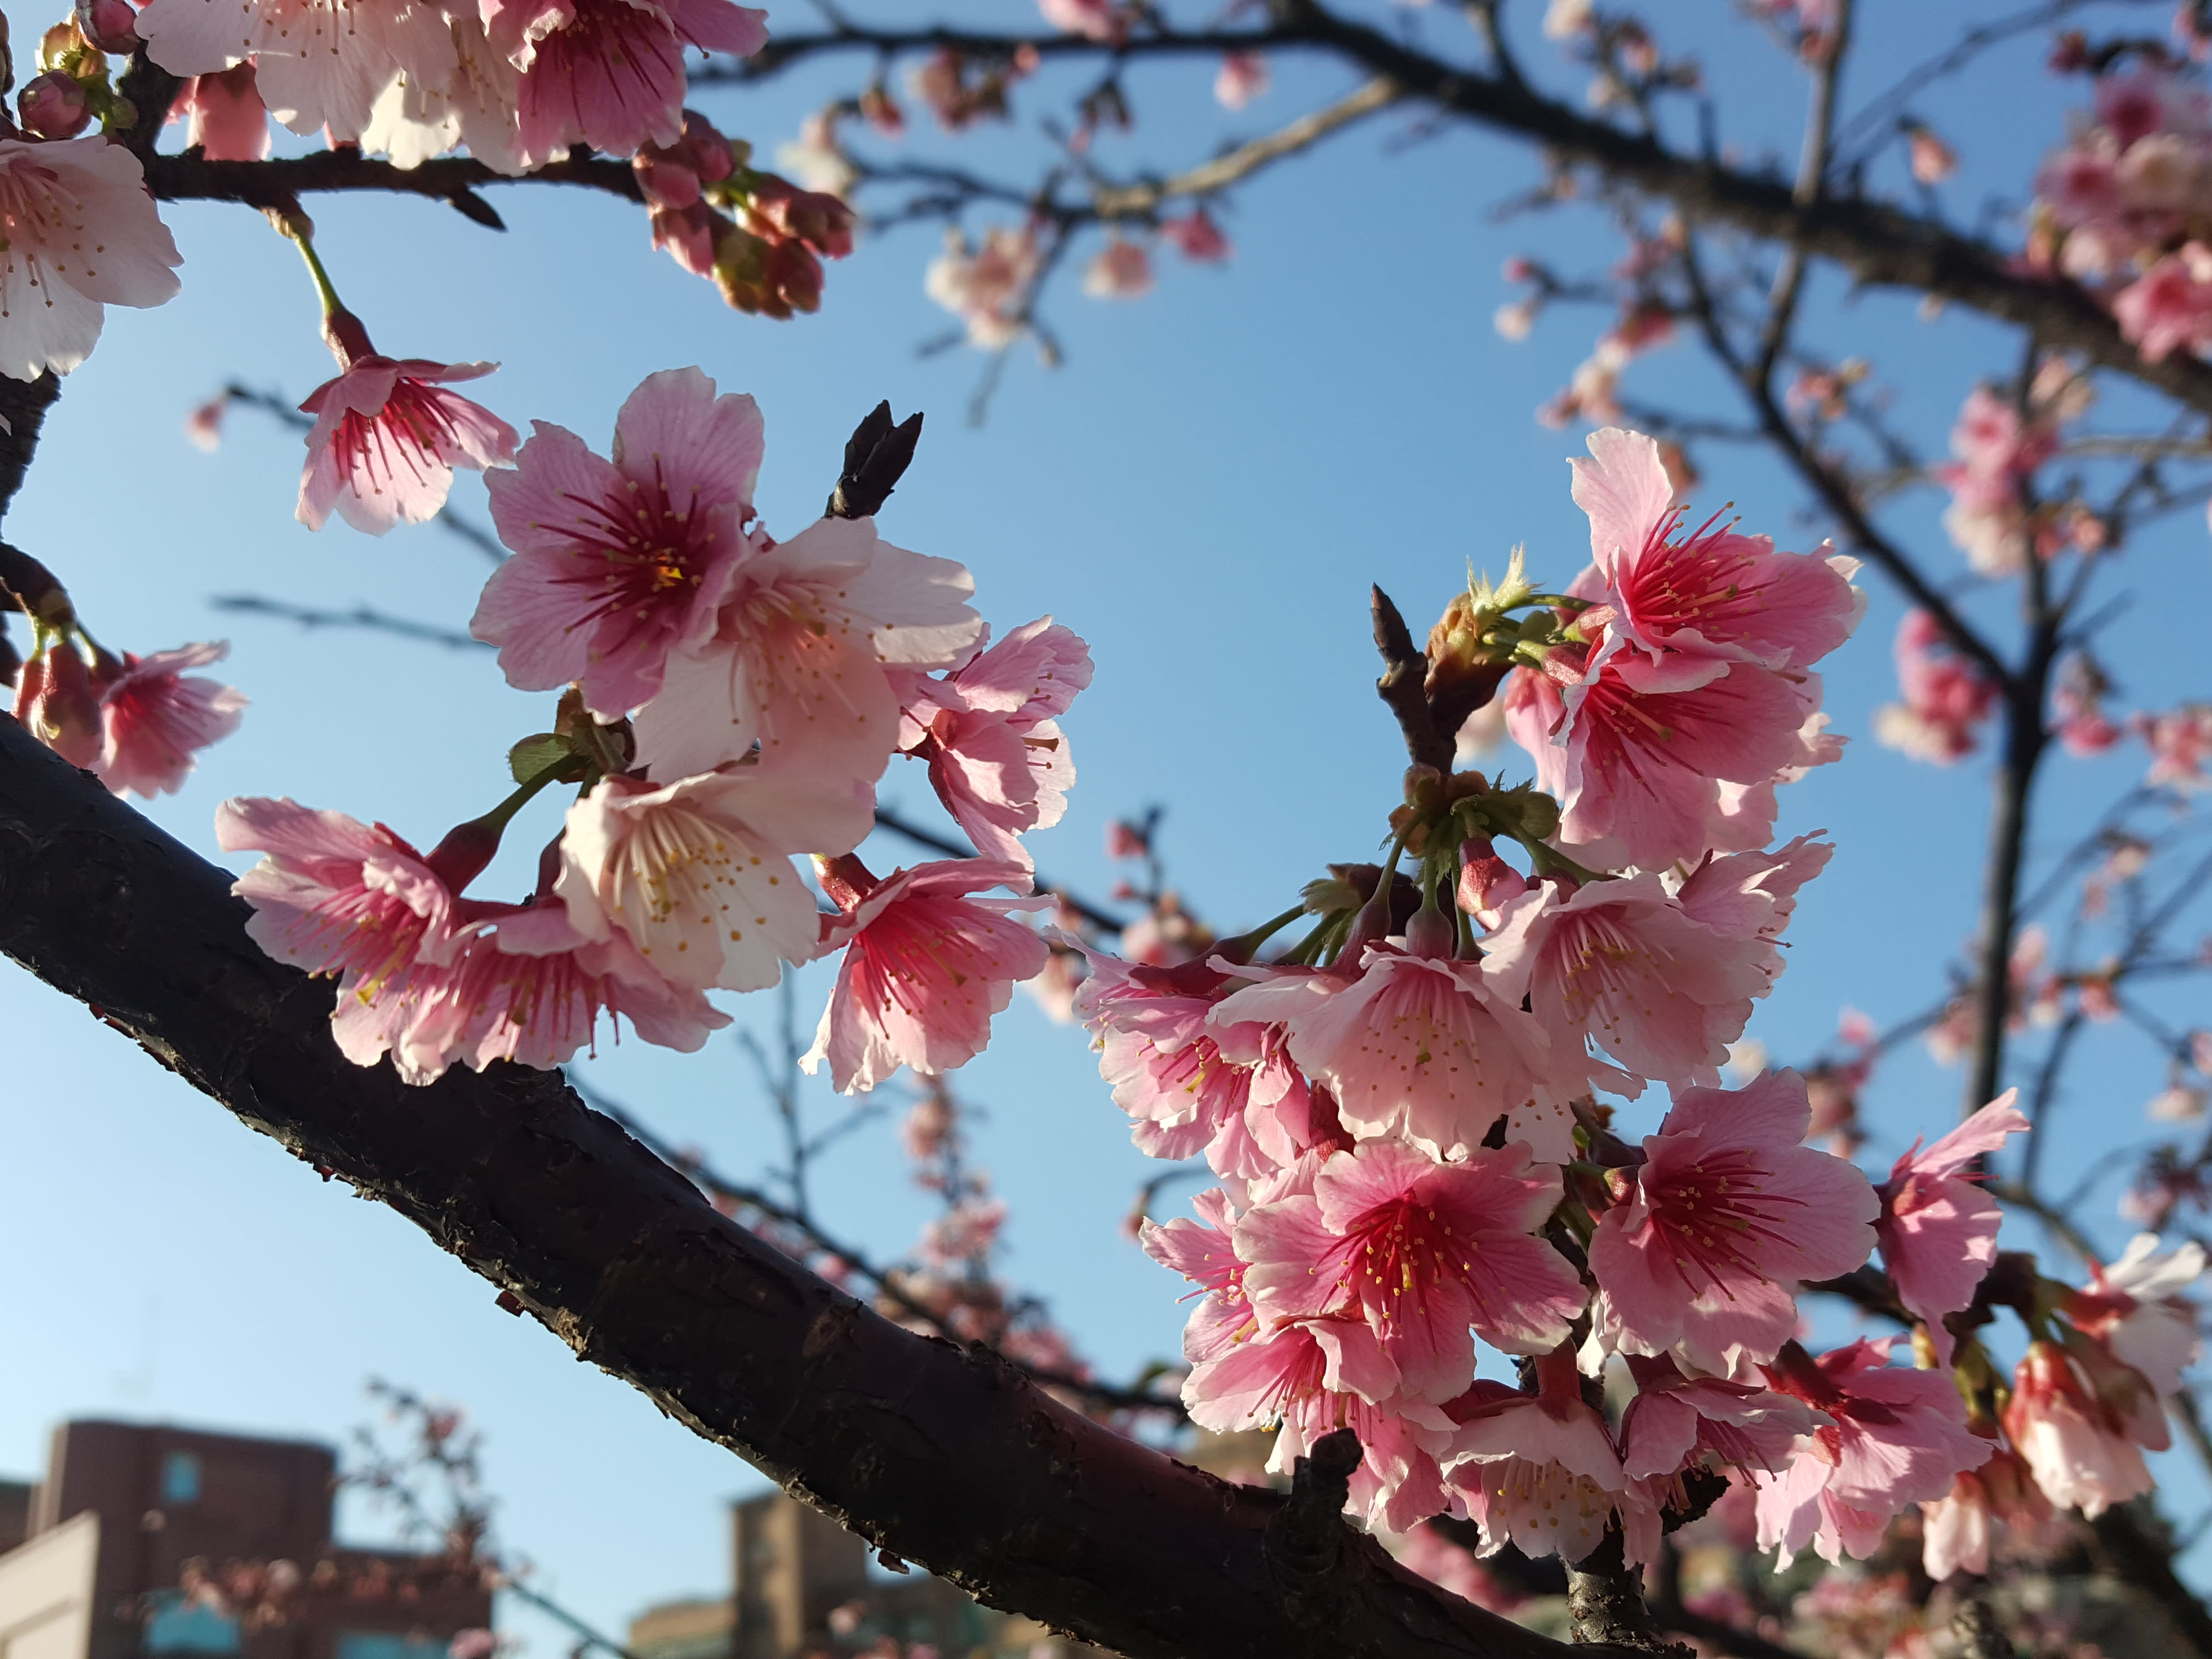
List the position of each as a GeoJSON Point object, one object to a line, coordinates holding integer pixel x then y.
{"type": "Point", "coordinates": [53, 105]}
{"type": "Point", "coordinates": [111, 25]}
{"type": "Point", "coordinates": [56, 703]}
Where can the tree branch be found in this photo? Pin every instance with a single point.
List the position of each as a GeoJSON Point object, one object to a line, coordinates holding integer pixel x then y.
{"type": "Point", "coordinates": [947, 1457]}
{"type": "Point", "coordinates": [1119, 201]}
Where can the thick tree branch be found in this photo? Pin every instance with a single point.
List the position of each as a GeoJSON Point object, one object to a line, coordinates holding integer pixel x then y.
{"type": "Point", "coordinates": [947, 1457]}
{"type": "Point", "coordinates": [451, 179]}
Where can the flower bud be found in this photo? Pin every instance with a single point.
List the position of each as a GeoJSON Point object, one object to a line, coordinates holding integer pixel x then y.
{"type": "Point", "coordinates": [54, 702]}
{"type": "Point", "coordinates": [1486, 882]}
{"type": "Point", "coordinates": [53, 105]}
{"type": "Point", "coordinates": [111, 25]}
{"type": "Point", "coordinates": [782, 211]}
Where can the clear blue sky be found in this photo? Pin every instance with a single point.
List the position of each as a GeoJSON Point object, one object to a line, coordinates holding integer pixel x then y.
{"type": "Point", "coordinates": [1204, 492]}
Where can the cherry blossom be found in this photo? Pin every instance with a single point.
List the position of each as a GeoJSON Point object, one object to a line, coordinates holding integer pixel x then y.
{"type": "Point", "coordinates": [990, 732]}
{"type": "Point", "coordinates": [1677, 1422]}
{"type": "Point", "coordinates": [2180, 744]}
{"type": "Point", "coordinates": [1727, 1213]}
{"type": "Point", "coordinates": [1540, 1471]}
{"type": "Point", "coordinates": [470, 100]}
{"type": "Point", "coordinates": [697, 874]}
{"type": "Point", "coordinates": [1938, 1228]}
{"type": "Point", "coordinates": [1752, 896]}
{"type": "Point", "coordinates": [335, 896]}
{"type": "Point", "coordinates": [1946, 696]}
{"type": "Point", "coordinates": [58, 200]}
{"type": "Point", "coordinates": [2081, 1454]}
{"type": "Point", "coordinates": [1435, 1050]}
{"type": "Point", "coordinates": [1242, 77]}
{"type": "Point", "coordinates": [1122, 270]}
{"type": "Point", "coordinates": [619, 563]}
{"type": "Point", "coordinates": [1957, 1531]}
{"type": "Point", "coordinates": [154, 715]}
{"type": "Point", "coordinates": [1897, 1437]}
{"type": "Point", "coordinates": [224, 115]}
{"type": "Point", "coordinates": [1709, 592]}
{"type": "Point", "coordinates": [1308, 1377]}
{"type": "Point", "coordinates": [926, 967]}
{"type": "Point", "coordinates": [1096, 20]}
{"type": "Point", "coordinates": [386, 437]}
{"type": "Point", "coordinates": [1623, 962]}
{"type": "Point", "coordinates": [796, 656]}
{"type": "Point", "coordinates": [610, 73]}
{"type": "Point", "coordinates": [56, 702]}
{"type": "Point", "coordinates": [1997, 453]}
{"type": "Point", "coordinates": [1660, 761]}
{"type": "Point", "coordinates": [1230, 1091]}
{"type": "Point", "coordinates": [1420, 1250]}
{"type": "Point", "coordinates": [988, 287]}
{"type": "Point", "coordinates": [530, 990]}
{"type": "Point", "coordinates": [1196, 236]}
{"type": "Point", "coordinates": [2135, 1308]}
{"type": "Point", "coordinates": [317, 66]}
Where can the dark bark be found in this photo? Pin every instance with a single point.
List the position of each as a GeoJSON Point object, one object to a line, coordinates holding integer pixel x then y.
{"type": "Point", "coordinates": [23, 406]}
{"type": "Point", "coordinates": [278, 183]}
{"type": "Point", "coordinates": [945, 1457]}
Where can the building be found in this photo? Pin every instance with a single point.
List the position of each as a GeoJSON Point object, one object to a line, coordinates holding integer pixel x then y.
{"type": "Point", "coordinates": [807, 1588]}
{"type": "Point", "coordinates": [100, 1552]}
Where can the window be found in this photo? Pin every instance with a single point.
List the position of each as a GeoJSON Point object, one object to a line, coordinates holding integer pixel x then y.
{"type": "Point", "coordinates": [389, 1644]}
{"type": "Point", "coordinates": [180, 1477]}
{"type": "Point", "coordinates": [181, 1626]}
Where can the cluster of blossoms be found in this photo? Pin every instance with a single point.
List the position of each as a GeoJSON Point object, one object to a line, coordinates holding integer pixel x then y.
{"type": "Point", "coordinates": [2127, 203]}
{"type": "Point", "coordinates": [1402, 1112]}
{"type": "Point", "coordinates": [517, 87]}
{"type": "Point", "coordinates": [730, 700]}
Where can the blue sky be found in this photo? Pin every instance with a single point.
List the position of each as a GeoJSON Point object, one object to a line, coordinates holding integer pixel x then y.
{"type": "Point", "coordinates": [1204, 491]}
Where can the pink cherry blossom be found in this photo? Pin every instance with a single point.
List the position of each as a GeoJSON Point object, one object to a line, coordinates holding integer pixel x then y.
{"type": "Point", "coordinates": [1625, 964]}
{"type": "Point", "coordinates": [56, 702]}
{"type": "Point", "coordinates": [56, 199]}
{"type": "Point", "coordinates": [2079, 1451]}
{"type": "Point", "coordinates": [472, 102]}
{"type": "Point", "coordinates": [610, 73]}
{"type": "Point", "coordinates": [2169, 307]}
{"type": "Point", "coordinates": [695, 873]}
{"type": "Point", "coordinates": [154, 715]}
{"type": "Point", "coordinates": [990, 732]}
{"type": "Point", "coordinates": [1657, 762]}
{"type": "Point", "coordinates": [224, 115]}
{"type": "Point", "coordinates": [386, 437]}
{"type": "Point", "coordinates": [1709, 592]}
{"type": "Point", "coordinates": [1997, 453]}
{"type": "Point", "coordinates": [1751, 896]}
{"type": "Point", "coordinates": [1308, 1377]}
{"type": "Point", "coordinates": [1435, 1050]}
{"type": "Point", "coordinates": [335, 896]}
{"type": "Point", "coordinates": [1420, 1251]}
{"type": "Point", "coordinates": [1230, 1091]}
{"type": "Point", "coordinates": [1728, 1212]}
{"type": "Point", "coordinates": [2135, 1308]}
{"type": "Point", "coordinates": [1242, 77]}
{"type": "Point", "coordinates": [619, 563]}
{"type": "Point", "coordinates": [1938, 1228]}
{"type": "Point", "coordinates": [797, 655]}
{"type": "Point", "coordinates": [2180, 744]}
{"type": "Point", "coordinates": [1899, 1437]}
{"type": "Point", "coordinates": [988, 287]}
{"type": "Point", "coordinates": [1957, 1531]}
{"type": "Point", "coordinates": [1195, 235]}
{"type": "Point", "coordinates": [926, 967]}
{"type": "Point", "coordinates": [528, 989]}
{"type": "Point", "coordinates": [1106, 20]}
{"type": "Point", "coordinates": [1540, 1471]}
{"type": "Point", "coordinates": [1676, 1423]}
{"type": "Point", "coordinates": [318, 65]}
{"type": "Point", "coordinates": [1946, 695]}
{"type": "Point", "coordinates": [1122, 270]}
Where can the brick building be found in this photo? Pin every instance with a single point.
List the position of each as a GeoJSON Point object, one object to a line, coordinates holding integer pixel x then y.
{"type": "Point", "coordinates": [100, 1546]}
